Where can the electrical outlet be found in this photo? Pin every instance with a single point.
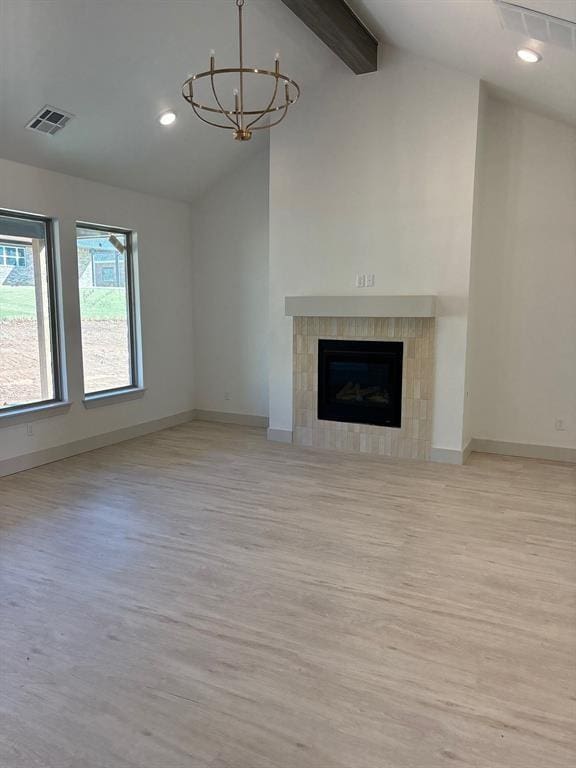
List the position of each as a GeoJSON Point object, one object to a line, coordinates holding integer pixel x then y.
{"type": "Point", "coordinates": [226, 395]}
{"type": "Point", "coordinates": [560, 425]}
{"type": "Point", "coordinates": [29, 430]}
{"type": "Point", "coordinates": [365, 280]}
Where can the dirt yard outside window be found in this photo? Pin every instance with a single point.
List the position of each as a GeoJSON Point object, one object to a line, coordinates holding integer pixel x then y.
{"type": "Point", "coordinates": [104, 340]}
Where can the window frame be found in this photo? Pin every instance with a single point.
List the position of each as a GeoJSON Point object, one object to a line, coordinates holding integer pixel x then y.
{"type": "Point", "coordinates": [136, 384]}
{"type": "Point", "coordinates": [54, 310]}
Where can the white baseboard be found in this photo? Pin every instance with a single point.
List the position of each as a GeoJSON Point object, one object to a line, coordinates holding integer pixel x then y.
{"type": "Point", "coordinates": [442, 455]}
{"type": "Point", "coordinates": [222, 417]}
{"type": "Point", "coordinates": [280, 435]}
{"type": "Point", "coordinates": [467, 451]}
{"type": "Point", "coordinates": [48, 455]}
{"type": "Point", "coordinates": [448, 456]}
{"type": "Point", "coordinates": [524, 450]}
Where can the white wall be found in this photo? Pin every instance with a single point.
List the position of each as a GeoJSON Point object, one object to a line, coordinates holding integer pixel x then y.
{"type": "Point", "coordinates": [231, 243]}
{"type": "Point", "coordinates": [164, 248]}
{"type": "Point", "coordinates": [376, 174]}
{"type": "Point", "coordinates": [468, 425]}
{"type": "Point", "coordinates": [523, 370]}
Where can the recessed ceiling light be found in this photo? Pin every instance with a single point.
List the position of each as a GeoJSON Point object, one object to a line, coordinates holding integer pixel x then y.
{"type": "Point", "coordinates": [167, 118]}
{"type": "Point", "coordinates": [528, 55]}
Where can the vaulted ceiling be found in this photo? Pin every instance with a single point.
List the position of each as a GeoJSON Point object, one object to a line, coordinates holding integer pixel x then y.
{"type": "Point", "coordinates": [467, 35]}
{"type": "Point", "coordinates": [117, 64]}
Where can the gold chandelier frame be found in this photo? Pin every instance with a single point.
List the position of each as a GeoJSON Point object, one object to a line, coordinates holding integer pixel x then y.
{"type": "Point", "coordinates": [241, 120]}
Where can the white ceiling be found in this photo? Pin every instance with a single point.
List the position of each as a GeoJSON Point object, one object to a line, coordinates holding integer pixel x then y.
{"type": "Point", "coordinates": [116, 64]}
{"type": "Point", "coordinates": [467, 35]}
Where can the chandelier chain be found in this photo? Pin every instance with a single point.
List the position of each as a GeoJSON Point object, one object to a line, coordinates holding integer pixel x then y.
{"type": "Point", "coordinates": [240, 4]}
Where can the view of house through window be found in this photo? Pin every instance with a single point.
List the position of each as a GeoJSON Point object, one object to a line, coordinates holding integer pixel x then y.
{"type": "Point", "coordinates": [28, 369]}
{"type": "Point", "coordinates": [105, 284]}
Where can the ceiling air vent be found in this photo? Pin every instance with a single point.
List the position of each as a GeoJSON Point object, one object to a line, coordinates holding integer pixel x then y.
{"type": "Point", "coordinates": [49, 120]}
{"type": "Point", "coordinates": [537, 25]}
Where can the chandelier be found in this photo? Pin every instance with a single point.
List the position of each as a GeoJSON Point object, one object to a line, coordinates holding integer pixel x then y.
{"type": "Point", "coordinates": [240, 119]}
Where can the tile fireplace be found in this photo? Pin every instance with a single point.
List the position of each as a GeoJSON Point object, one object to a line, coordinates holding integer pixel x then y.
{"type": "Point", "coordinates": [364, 384]}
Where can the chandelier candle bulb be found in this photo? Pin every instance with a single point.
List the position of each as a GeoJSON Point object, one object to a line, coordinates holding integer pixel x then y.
{"type": "Point", "coordinates": [245, 118]}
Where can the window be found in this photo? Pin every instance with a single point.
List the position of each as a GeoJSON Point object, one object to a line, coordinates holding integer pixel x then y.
{"type": "Point", "coordinates": [8, 256]}
{"type": "Point", "coordinates": [108, 274]}
{"type": "Point", "coordinates": [107, 309]}
{"type": "Point", "coordinates": [29, 363]}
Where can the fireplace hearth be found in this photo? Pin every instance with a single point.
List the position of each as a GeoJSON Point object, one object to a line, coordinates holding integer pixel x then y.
{"type": "Point", "coordinates": [360, 382]}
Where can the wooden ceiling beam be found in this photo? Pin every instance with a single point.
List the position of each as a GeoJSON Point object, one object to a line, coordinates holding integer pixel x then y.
{"type": "Point", "coordinates": [337, 26]}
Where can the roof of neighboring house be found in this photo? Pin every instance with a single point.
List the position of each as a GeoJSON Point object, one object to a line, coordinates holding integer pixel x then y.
{"type": "Point", "coordinates": [97, 244]}
{"type": "Point", "coordinates": [14, 244]}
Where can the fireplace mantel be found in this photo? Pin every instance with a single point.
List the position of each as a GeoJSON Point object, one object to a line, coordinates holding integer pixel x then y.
{"type": "Point", "coordinates": [360, 306]}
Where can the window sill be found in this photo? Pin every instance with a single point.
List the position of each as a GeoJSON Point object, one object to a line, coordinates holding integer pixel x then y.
{"type": "Point", "coordinates": [26, 414]}
{"type": "Point", "coordinates": [111, 398]}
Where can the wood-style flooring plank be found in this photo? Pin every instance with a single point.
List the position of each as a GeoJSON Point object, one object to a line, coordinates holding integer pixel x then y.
{"type": "Point", "coordinates": [201, 598]}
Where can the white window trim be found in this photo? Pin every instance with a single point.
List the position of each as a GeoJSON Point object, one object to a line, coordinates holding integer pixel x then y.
{"type": "Point", "coordinates": [114, 396]}
{"type": "Point", "coordinates": [35, 412]}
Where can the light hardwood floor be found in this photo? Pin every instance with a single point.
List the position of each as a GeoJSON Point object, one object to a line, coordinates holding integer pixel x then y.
{"type": "Point", "coordinates": [201, 598]}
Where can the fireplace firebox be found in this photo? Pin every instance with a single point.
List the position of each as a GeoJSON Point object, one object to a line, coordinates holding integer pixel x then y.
{"type": "Point", "coordinates": [360, 382]}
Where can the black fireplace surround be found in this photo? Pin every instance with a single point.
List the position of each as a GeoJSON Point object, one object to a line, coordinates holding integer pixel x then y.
{"type": "Point", "coordinates": [360, 382]}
